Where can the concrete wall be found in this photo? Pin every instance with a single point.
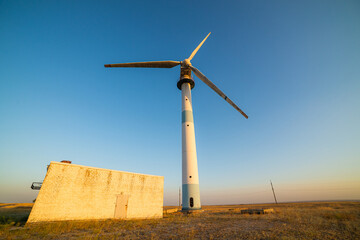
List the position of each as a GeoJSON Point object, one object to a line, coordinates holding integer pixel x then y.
{"type": "Point", "coordinates": [74, 192]}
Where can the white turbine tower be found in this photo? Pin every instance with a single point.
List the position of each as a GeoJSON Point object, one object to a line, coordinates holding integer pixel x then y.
{"type": "Point", "coordinates": [190, 176]}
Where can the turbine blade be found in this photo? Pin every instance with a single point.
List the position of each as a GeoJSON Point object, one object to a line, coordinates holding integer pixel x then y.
{"type": "Point", "coordinates": [157, 64]}
{"type": "Point", "coordinates": [198, 47]}
{"type": "Point", "coordinates": [213, 87]}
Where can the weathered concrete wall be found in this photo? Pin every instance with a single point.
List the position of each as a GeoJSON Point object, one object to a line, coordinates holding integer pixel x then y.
{"type": "Point", "coordinates": [74, 192]}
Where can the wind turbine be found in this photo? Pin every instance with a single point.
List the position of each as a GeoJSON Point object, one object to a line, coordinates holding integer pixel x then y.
{"type": "Point", "coordinates": [190, 176]}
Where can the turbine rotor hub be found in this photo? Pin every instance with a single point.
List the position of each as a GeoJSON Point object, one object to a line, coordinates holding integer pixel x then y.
{"type": "Point", "coordinates": [186, 63]}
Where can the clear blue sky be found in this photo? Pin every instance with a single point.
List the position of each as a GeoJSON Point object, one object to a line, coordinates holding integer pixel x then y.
{"type": "Point", "coordinates": [292, 66]}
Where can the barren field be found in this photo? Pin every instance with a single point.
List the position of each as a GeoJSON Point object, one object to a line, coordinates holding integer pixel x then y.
{"type": "Point", "coordinates": [312, 220]}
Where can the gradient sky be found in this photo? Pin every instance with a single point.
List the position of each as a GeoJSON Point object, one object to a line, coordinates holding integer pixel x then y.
{"type": "Point", "coordinates": [292, 66]}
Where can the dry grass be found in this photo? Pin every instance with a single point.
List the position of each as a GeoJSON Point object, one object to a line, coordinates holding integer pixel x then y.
{"type": "Point", "coordinates": [319, 220]}
{"type": "Point", "coordinates": [14, 214]}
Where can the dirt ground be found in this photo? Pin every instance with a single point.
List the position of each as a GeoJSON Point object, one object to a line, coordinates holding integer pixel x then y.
{"type": "Point", "coordinates": [311, 220]}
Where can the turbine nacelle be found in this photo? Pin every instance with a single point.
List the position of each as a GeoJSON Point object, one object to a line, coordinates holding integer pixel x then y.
{"type": "Point", "coordinates": [185, 73]}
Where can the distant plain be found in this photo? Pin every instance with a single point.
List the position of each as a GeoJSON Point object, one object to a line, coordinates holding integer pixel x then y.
{"type": "Point", "coordinates": [309, 220]}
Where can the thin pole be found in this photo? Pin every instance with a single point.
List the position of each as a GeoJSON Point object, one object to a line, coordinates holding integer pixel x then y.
{"type": "Point", "coordinates": [179, 198]}
{"type": "Point", "coordinates": [273, 192]}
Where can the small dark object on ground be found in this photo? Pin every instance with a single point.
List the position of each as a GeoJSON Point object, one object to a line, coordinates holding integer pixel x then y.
{"type": "Point", "coordinates": [257, 211]}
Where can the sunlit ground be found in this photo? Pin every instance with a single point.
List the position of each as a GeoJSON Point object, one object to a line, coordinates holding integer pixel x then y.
{"type": "Point", "coordinates": [310, 220]}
